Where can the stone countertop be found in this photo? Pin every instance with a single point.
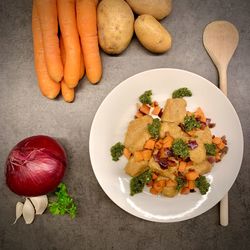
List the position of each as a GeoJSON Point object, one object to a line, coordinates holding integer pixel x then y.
{"type": "Point", "coordinates": [100, 224]}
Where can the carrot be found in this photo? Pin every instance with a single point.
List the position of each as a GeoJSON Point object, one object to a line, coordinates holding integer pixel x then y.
{"type": "Point", "coordinates": [168, 141]}
{"type": "Point", "coordinates": [150, 144]}
{"type": "Point", "coordinates": [158, 144]}
{"type": "Point", "coordinates": [69, 32]}
{"type": "Point", "coordinates": [156, 110]}
{"type": "Point", "coordinates": [153, 191]}
{"type": "Point", "coordinates": [146, 154]}
{"type": "Point", "coordinates": [182, 166]}
{"type": "Point", "coordinates": [191, 185]}
{"type": "Point", "coordinates": [82, 67]}
{"type": "Point", "coordinates": [185, 190]}
{"type": "Point", "coordinates": [138, 156]}
{"type": "Point", "coordinates": [192, 175]}
{"type": "Point", "coordinates": [67, 93]}
{"type": "Point", "coordinates": [144, 109]}
{"type": "Point", "coordinates": [216, 140]}
{"type": "Point", "coordinates": [87, 27]}
{"type": "Point", "coordinates": [154, 176]}
{"type": "Point", "coordinates": [48, 87]}
{"type": "Point", "coordinates": [47, 13]}
{"type": "Point", "coordinates": [126, 153]}
{"type": "Point", "coordinates": [200, 114]}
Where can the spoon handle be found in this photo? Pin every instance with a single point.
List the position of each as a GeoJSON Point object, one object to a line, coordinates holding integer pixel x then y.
{"type": "Point", "coordinates": [223, 80]}
{"type": "Point", "coordinates": [224, 201]}
{"type": "Point", "coordinates": [224, 211]}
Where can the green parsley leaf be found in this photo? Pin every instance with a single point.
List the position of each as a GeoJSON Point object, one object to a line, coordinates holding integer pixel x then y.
{"type": "Point", "coordinates": [154, 128]}
{"type": "Point", "coordinates": [117, 151]}
{"type": "Point", "coordinates": [64, 203]}
{"type": "Point", "coordinates": [145, 98]}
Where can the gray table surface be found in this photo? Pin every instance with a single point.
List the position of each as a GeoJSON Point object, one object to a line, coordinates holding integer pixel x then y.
{"type": "Point", "coordinates": [100, 224]}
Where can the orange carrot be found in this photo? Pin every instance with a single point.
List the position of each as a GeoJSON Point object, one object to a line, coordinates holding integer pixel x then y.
{"type": "Point", "coordinates": [67, 93]}
{"type": "Point", "coordinates": [182, 166]}
{"type": "Point", "coordinates": [87, 27]}
{"type": "Point", "coordinates": [168, 141]}
{"type": "Point", "coordinates": [192, 175]}
{"type": "Point", "coordinates": [69, 32]}
{"type": "Point", "coordinates": [82, 67]}
{"type": "Point", "coordinates": [150, 144]}
{"type": "Point", "coordinates": [47, 13]}
{"type": "Point", "coordinates": [144, 109]}
{"type": "Point", "coordinates": [146, 154]}
{"type": "Point", "coordinates": [48, 87]}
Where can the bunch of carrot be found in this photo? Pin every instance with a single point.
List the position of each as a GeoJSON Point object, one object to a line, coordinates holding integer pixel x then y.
{"type": "Point", "coordinates": [61, 60]}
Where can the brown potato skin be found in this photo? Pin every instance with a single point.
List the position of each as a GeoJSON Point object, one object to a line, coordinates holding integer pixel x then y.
{"type": "Point", "coordinates": [115, 23]}
{"type": "Point", "coordinates": [157, 8]}
{"type": "Point", "coordinates": [152, 35]}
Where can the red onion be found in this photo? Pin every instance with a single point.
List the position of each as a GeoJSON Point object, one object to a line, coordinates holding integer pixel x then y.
{"type": "Point", "coordinates": [35, 166]}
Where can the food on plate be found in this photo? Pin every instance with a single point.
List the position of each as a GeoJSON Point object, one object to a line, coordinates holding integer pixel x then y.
{"type": "Point", "coordinates": [115, 22]}
{"type": "Point", "coordinates": [71, 41]}
{"type": "Point", "coordinates": [35, 166]}
{"type": "Point", "coordinates": [157, 8]}
{"type": "Point", "coordinates": [152, 34]}
{"type": "Point", "coordinates": [170, 151]}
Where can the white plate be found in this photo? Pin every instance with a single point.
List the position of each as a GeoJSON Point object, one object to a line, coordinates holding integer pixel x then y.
{"type": "Point", "coordinates": [109, 127]}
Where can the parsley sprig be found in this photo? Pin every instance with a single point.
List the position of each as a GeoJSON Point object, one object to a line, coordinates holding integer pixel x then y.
{"type": "Point", "coordinates": [64, 203]}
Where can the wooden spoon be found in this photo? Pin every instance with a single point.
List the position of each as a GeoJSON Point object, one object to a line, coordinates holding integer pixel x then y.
{"type": "Point", "coordinates": [220, 39]}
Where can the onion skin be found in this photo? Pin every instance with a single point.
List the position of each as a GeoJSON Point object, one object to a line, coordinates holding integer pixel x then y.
{"type": "Point", "coordinates": [35, 166]}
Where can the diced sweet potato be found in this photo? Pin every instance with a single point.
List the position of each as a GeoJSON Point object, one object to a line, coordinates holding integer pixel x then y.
{"type": "Point", "coordinates": [192, 175]}
{"type": "Point", "coordinates": [191, 185]}
{"type": "Point", "coordinates": [156, 110]}
{"type": "Point", "coordinates": [200, 114]}
{"type": "Point", "coordinates": [216, 140]}
{"type": "Point", "coordinates": [182, 166]}
{"type": "Point", "coordinates": [168, 141]}
{"type": "Point", "coordinates": [185, 190]}
{"type": "Point", "coordinates": [145, 109]}
{"type": "Point", "coordinates": [154, 191]}
{"type": "Point", "coordinates": [150, 144]}
{"type": "Point", "coordinates": [147, 153]}
{"type": "Point", "coordinates": [221, 145]}
{"type": "Point", "coordinates": [138, 114]}
{"type": "Point", "coordinates": [158, 144]}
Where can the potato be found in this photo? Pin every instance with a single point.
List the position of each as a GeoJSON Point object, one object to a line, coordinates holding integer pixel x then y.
{"type": "Point", "coordinates": [152, 35]}
{"type": "Point", "coordinates": [115, 23]}
{"type": "Point", "coordinates": [157, 8]}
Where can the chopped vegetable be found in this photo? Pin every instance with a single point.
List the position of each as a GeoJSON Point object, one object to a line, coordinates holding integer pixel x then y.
{"type": "Point", "coordinates": [180, 148]}
{"type": "Point", "coordinates": [137, 183]}
{"type": "Point", "coordinates": [210, 149]}
{"type": "Point", "coordinates": [117, 151]}
{"type": "Point", "coordinates": [126, 153]}
{"type": "Point", "coordinates": [138, 156]}
{"type": "Point", "coordinates": [182, 92]}
{"type": "Point", "coordinates": [192, 175]}
{"type": "Point", "coordinates": [144, 109]}
{"type": "Point", "coordinates": [154, 128]}
{"type": "Point", "coordinates": [180, 182]}
{"type": "Point", "coordinates": [191, 123]}
{"type": "Point", "coordinates": [64, 203]}
{"type": "Point", "coordinates": [202, 184]}
{"type": "Point", "coordinates": [150, 144]}
{"type": "Point", "coordinates": [145, 98]}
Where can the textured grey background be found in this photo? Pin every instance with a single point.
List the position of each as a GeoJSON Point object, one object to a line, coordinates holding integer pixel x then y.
{"type": "Point", "coordinates": [100, 224]}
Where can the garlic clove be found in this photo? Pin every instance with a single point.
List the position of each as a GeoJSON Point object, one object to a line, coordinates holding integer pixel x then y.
{"type": "Point", "coordinates": [28, 211]}
{"type": "Point", "coordinates": [40, 203]}
{"type": "Point", "coordinates": [19, 211]}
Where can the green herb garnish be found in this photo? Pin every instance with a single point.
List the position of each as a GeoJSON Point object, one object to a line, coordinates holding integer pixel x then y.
{"type": "Point", "coordinates": [137, 183]}
{"type": "Point", "coordinates": [64, 203]}
{"type": "Point", "coordinates": [154, 128]}
{"type": "Point", "coordinates": [202, 184]}
{"type": "Point", "coordinates": [180, 148]}
{"type": "Point", "coordinates": [182, 92]}
{"type": "Point", "coordinates": [210, 149]}
{"type": "Point", "coordinates": [117, 151]}
{"type": "Point", "coordinates": [190, 123]}
{"type": "Point", "coordinates": [145, 98]}
{"type": "Point", "coordinates": [180, 182]}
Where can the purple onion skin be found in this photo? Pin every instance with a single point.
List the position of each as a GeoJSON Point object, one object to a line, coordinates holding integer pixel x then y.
{"type": "Point", "coordinates": [35, 166]}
